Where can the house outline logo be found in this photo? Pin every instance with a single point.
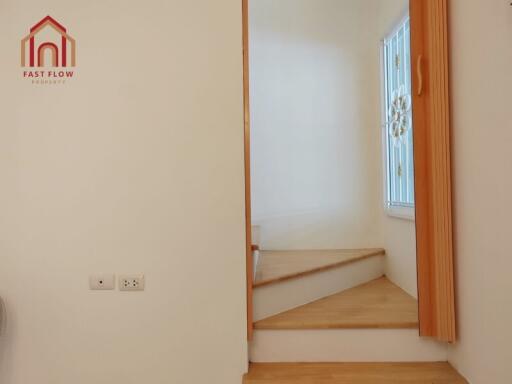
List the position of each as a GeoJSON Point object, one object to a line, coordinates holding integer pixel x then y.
{"type": "Point", "coordinates": [59, 57]}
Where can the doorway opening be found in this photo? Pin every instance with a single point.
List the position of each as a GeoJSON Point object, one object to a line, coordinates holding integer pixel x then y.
{"type": "Point", "coordinates": [331, 198]}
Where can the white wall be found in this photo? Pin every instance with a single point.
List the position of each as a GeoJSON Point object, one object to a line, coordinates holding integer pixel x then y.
{"type": "Point", "coordinates": [315, 145]}
{"type": "Point", "coordinates": [134, 166]}
{"type": "Point", "coordinates": [481, 47]}
{"type": "Point", "coordinates": [398, 235]}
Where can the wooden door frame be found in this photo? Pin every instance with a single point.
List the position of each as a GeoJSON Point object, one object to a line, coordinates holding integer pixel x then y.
{"type": "Point", "coordinates": [247, 161]}
{"type": "Point", "coordinates": [431, 120]}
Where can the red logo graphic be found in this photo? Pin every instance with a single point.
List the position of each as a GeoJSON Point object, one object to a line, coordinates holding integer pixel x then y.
{"type": "Point", "coordinates": [60, 45]}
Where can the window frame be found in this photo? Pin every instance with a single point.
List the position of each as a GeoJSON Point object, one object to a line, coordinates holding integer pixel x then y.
{"type": "Point", "coordinates": [397, 211]}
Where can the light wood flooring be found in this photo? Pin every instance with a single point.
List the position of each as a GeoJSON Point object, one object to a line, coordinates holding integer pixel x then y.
{"type": "Point", "coordinates": [362, 373]}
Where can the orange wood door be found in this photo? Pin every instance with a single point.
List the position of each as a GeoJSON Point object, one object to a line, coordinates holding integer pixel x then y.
{"type": "Point", "coordinates": [431, 119]}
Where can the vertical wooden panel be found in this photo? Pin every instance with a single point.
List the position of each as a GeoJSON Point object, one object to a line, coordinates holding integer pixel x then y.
{"type": "Point", "coordinates": [247, 155]}
{"type": "Point", "coordinates": [431, 117]}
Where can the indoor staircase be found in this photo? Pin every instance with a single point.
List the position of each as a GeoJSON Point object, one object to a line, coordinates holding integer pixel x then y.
{"type": "Point", "coordinates": [319, 314]}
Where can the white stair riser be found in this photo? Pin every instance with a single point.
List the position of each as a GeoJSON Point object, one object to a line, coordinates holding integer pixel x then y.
{"type": "Point", "coordinates": [344, 345]}
{"type": "Point", "coordinates": [279, 297]}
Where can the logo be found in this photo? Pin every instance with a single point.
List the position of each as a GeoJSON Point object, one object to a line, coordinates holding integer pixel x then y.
{"type": "Point", "coordinates": [48, 53]}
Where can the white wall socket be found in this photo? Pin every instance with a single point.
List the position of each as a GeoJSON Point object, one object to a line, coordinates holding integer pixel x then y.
{"type": "Point", "coordinates": [102, 282]}
{"type": "Point", "coordinates": [131, 283]}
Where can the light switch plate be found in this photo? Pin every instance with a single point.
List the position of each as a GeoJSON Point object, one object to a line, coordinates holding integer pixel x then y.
{"type": "Point", "coordinates": [102, 282]}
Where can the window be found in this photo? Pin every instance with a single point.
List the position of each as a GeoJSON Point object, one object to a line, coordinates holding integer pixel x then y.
{"type": "Point", "coordinates": [397, 122]}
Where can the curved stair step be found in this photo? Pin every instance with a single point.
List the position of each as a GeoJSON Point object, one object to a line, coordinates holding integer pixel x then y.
{"type": "Point", "coordinates": [278, 266]}
{"type": "Point", "coordinates": [377, 304]}
{"type": "Point", "coordinates": [331, 273]}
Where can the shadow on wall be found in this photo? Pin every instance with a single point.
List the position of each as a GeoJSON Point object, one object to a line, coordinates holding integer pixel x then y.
{"type": "Point", "coordinates": [3, 317]}
{"type": "Point", "coordinates": [3, 339]}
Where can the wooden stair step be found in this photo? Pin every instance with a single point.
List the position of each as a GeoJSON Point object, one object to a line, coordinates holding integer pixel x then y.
{"type": "Point", "coordinates": [277, 266]}
{"type": "Point", "coordinates": [353, 373]}
{"type": "Point", "coordinates": [377, 304]}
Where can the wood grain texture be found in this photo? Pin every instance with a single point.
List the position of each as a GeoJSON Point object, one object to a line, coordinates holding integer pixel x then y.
{"type": "Point", "coordinates": [247, 164]}
{"type": "Point", "coordinates": [276, 266]}
{"type": "Point", "coordinates": [431, 119]}
{"type": "Point", "coordinates": [353, 373]}
{"type": "Point", "coordinates": [377, 304]}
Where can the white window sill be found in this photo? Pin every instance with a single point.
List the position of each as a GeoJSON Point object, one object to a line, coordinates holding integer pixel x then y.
{"type": "Point", "coordinates": [404, 213]}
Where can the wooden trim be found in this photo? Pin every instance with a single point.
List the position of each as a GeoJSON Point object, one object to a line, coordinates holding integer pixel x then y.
{"type": "Point", "coordinates": [431, 119]}
{"type": "Point", "coordinates": [247, 160]}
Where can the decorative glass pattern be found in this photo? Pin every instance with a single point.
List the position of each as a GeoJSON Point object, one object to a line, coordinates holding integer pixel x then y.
{"type": "Point", "coordinates": [398, 117]}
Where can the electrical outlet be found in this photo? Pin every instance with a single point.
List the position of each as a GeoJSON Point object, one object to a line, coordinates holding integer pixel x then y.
{"type": "Point", "coordinates": [131, 283]}
{"type": "Point", "coordinates": [102, 282]}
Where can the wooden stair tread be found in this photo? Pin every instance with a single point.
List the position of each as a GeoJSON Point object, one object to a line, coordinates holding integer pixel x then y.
{"type": "Point", "coordinates": [377, 304]}
{"type": "Point", "coordinates": [353, 373]}
{"type": "Point", "coordinates": [277, 266]}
